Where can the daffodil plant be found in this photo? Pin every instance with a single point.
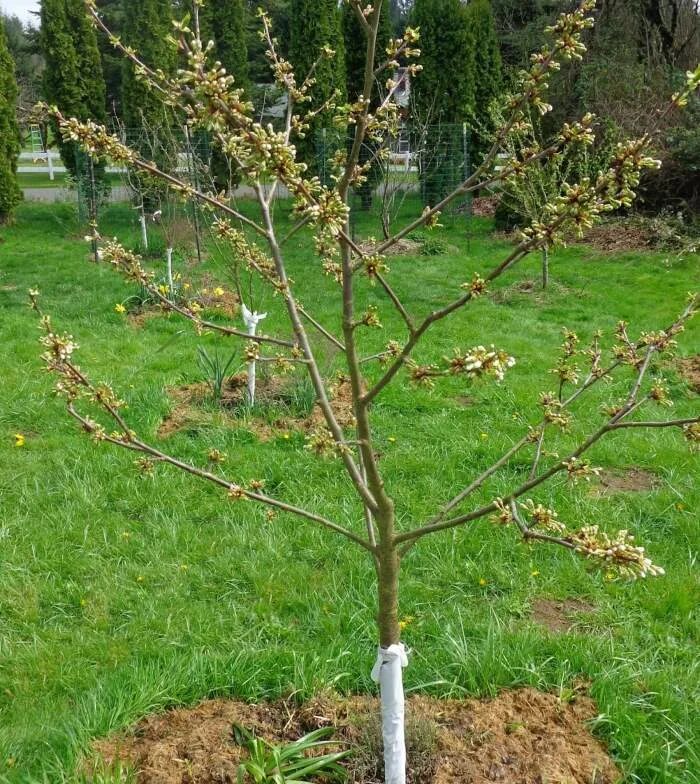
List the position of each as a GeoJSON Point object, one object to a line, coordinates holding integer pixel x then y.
{"type": "Point", "coordinates": [209, 99]}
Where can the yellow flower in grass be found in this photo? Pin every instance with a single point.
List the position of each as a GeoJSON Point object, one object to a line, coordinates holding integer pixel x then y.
{"type": "Point", "coordinates": [483, 581]}
{"type": "Point", "coordinates": [391, 439]}
{"type": "Point", "coordinates": [19, 439]}
{"type": "Point", "coordinates": [407, 621]}
{"type": "Point", "coordinates": [119, 308]}
{"type": "Point", "coordinates": [219, 292]}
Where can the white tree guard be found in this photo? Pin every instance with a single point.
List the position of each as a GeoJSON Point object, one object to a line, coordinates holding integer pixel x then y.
{"type": "Point", "coordinates": [171, 283]}
{"type": "Point", "coordinates": [144, 233]}
{"type": "Point", "coordinates": [251, 321]}
{"type": "Point", "coordinates": [388, 673]}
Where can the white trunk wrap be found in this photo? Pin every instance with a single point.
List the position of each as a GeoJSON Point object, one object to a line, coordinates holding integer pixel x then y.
{"type": "Point", "coordinates": [251, 321]}
{"type": "Point", "coordinates": [388, 673]}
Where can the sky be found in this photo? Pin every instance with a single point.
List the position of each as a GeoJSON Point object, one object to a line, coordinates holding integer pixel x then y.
{"type": "Point", "coordinates": [21, 8]}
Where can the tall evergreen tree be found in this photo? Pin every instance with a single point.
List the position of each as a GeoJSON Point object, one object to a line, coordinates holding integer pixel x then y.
{"type": "Point", "coordinates": [10, 193]}
{"type": "Point", "coordinates": [147, 27]}
{"type": "Point", "coordinates": [355, 44]}
{"type": "Point", "coordinates": [443, 93]}
{"type": "Point", "coordinates": [280, 15]}
{"type": "Point", "coordinates": [315, 24]}
{"type": "Point", "coordinates": [225, 23]}
{"type": "Point", "coordinates": [73, 74]}
{"type": "Point", "coordinates": [488, 79]}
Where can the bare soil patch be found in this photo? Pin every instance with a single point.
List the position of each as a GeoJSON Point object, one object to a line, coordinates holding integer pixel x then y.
{"type": "Point", "coordinates": [619, 236]}
{"type": "Point", "coordinates": [529, 288]}
{"type": "Point", "coordinates": [484, 206]}
{"type": "Point", "coordinates": [631, 480]}
{"type": "Point", "coordinates": [520, 737]}
{"type": "Point", "coordinates": [404, 247]}
{"type": "Point", "coordinates": [559, 616]}
{"type": "Point", "coordinates": [188, 406]}
{"type": "Point", "coordinates": [689, 368]}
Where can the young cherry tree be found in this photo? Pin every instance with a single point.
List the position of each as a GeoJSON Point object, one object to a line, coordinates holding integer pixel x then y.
{"type": "Point", "coordinates": [209, 99]}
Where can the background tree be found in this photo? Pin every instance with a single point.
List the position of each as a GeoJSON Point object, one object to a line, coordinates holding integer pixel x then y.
{"type": "Point", "coordinates": [24, 49]}
{"type": "Point", "coordinates": [10, 193]}
{"type": "Point", "coordinates": [443, 94]}
{"type": "Point", "coordinates": [315, 24]}
{"type": "Point", "coordinates": [147, 28]}
{"type": "Point", "coordinates": [225, 23]}
{"type": "Point", "coordinates": [488, 79]}
{"type": "Point", "coordinates": [279, 13]}
{"type": "Point", "coordinates": [72, 78]}
{"type": "Point", "coordinates": [355, 43]}
{"type": "Point", "coordinates": [112, 65]}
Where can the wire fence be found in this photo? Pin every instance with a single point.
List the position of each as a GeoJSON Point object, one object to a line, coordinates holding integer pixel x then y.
{"type": "Point", "coordinates": [425, 161]}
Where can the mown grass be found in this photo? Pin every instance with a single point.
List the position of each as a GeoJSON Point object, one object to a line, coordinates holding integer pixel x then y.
{"type": "Point", "coordinates": [122, 594]}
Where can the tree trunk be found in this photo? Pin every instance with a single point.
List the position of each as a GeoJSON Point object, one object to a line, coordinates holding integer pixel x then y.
{"type": "Point", "coordinates": [388, 670]}
{"type": "Point", "coordinates": [545, 267]}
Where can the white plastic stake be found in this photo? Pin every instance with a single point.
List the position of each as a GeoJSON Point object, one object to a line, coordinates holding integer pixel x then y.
{"type": "Point", "coordinates": [251, 321]}
{"type": "Point", "coordinates": [388, 673]}
{"type": "Point", "coordinates": [49, 163]}
{"type": "Point", "coordinates": [171, 284]}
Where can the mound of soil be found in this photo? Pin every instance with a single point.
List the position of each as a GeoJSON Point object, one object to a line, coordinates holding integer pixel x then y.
{"type": "Point", "coordinates": [689, 368]}
{"type": "Point", "coordinates": [520, 737]}
{"type": "Point", "coordinates": [559, 616]}
{"type": "Point", "coordinates": [404, 247]}
{"type": "Point", "coordinates": [619, 236]}
{"type": "Point", "coordinates": [188, 409]}
{"type": "Point", "coordinates": [633, 480]}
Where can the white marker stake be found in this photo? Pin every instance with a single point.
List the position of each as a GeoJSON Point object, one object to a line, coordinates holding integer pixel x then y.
{"type": "Point", "coordinates": [251, 321]}
{"type": "Point", "coordinates": [388, 673]}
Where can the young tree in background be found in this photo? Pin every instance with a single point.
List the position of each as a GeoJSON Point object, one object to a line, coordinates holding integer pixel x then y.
{"type": "Point", "coordinates": [316, 42]}
{"type": "Point", "coordinates": [73, 78]}
{"type": "Point", "coordinates": [10, 193]}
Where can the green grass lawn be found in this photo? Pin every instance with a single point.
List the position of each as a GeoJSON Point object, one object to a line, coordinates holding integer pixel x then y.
{"type": "Point", "coordinates": [122, 594]}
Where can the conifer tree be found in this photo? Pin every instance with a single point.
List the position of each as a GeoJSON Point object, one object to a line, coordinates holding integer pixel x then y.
{"type": "Point", "coordinates": [443, 93]}
{"type": "Point", "coordinates": [224, 22]}
{"type": "Point", "coordinates": [73, 78]}
{"type": "Point", "coordinates": [147, 26]}
{"type": "Point", "coordinates": [10, 193]}
{"type": "Point", "coordinates": [487, 72]}
{"type": "Point", "coordinates": [315, 24]}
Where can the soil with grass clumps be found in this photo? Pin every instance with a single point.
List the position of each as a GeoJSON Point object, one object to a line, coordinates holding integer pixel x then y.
{"type": "Point", "coordinates": [560, 616]}
{"type": "Point", "coordinates": [689, 368]}
{"type": "Point", "coordinates": [520, 737]}
{"type": "Point", "coordinates": [192, 405]}
{"type": "Point", "coordinates": [632, 480]}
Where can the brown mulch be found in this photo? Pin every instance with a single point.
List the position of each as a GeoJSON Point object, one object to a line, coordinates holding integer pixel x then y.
{"type": "Point", "coordinates": [520, 737]}
{"type": "Point", "coordinates": [559, 616]}
{"type": "Point", "coordinates": [188, 410]}
{"type": "Point", "coordinates": [618, 236]}
{"type": "Point", "coordinates": [484, 206]}
{"type": "Point", "coordinates": [689, 368]}
{"type": "Point", "coordinates": [632, 480]}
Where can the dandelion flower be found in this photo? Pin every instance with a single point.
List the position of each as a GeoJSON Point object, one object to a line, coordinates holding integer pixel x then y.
{"type": "Point", "coordinates": [119, 308]}
{"type": "Point", "coordinates": [219, 292]}
{"type": "Point", "coordinates": [19, 439]}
